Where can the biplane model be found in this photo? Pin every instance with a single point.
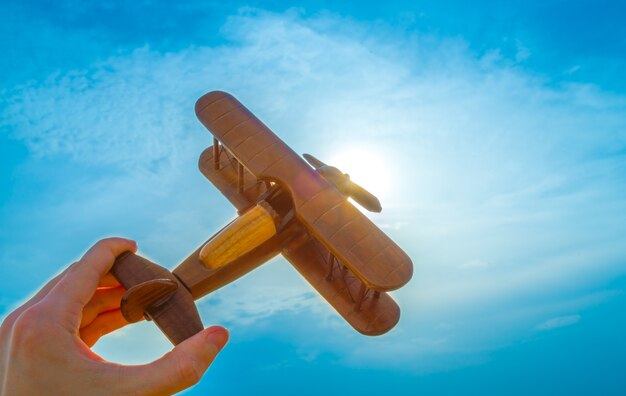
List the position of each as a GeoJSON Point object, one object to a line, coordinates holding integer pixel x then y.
{"type": "Point", "coordinates": [285, 206]}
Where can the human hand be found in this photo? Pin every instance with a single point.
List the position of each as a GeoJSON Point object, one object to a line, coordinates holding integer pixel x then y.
{"type": "Point", "coordinates": [44, 344]}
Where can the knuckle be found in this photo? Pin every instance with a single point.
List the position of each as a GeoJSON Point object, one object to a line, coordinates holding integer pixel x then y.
{"type": "Point", "coordinates": [104, 244]}
{"type": "Point", "coordinates": [105, 241]}
{"type": "Point", "coordinates": [110, 242]}
{"type": "Point", "coordinates": [74, 268]}
{"type": "Point", "coordinates": [189, 370]}
{"type": "Point", "coordinates": [27, 328]}
{"type": "Point", "coordinates": [29, 319]}
{"type": "Point", "coordinates": [101, 244]}
{"type": "Point", "coordinates": [10, 319]}
{"type": "Point", "coordinates": [7, 326]}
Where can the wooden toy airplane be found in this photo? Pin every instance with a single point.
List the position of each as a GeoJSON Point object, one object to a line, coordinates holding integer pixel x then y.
{"type": "Point", "coordinates": [285, 207]}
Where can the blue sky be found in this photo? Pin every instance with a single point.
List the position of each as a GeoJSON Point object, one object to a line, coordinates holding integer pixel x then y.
{"type": "Point", "coordinates": [499, 131]}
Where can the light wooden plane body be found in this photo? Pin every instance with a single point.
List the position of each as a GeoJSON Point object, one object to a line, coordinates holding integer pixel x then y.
{"type": "Point", "coordinates": [285, 207]}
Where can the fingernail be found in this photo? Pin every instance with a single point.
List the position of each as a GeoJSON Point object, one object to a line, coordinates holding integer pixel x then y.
{"type": "Point", "coordinates": [217, 336]}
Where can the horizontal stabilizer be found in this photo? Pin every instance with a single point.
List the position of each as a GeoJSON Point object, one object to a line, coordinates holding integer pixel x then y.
{"type": "Point", "coordinates": [176, 316]}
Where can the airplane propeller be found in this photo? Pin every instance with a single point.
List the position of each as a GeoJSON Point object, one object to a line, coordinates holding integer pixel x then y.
{"type": "Point", "coordinates": [345, 185]}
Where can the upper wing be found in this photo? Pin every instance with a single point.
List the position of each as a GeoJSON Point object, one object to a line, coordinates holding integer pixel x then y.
{"type": "Point", "coordinates": [374, 258]}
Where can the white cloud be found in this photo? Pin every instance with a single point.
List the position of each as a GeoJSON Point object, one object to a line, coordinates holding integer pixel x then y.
{"type": "Point", "coordinates": [474, 265]}
{"type": "Point", "coordinates": [497, 170]}
{"type": "Point", "coordinates": [561, 321]}
{"type": "Point", "coordinates": [256, 298]}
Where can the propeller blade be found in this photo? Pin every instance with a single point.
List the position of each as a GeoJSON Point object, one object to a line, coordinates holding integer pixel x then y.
{"type": "Point", "coordinates": [142, 296]}
{"type": "Point", "coordinates": [364, 197]}
{"type": "Point", "coordinates": [345, 185]}
{"type": "Point", "coordinates": [313, 161]}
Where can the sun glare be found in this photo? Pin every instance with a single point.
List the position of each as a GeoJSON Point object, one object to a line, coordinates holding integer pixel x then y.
{"type": "Point", "coordinates": [367, 168]}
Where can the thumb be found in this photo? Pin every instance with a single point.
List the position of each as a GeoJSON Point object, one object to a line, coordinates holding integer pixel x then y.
{"type": "Point", "coordinates": [180, 368]}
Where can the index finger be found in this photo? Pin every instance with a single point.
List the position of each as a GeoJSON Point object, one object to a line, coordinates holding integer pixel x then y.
{"type": "Point", "coordinates": [81, 280]}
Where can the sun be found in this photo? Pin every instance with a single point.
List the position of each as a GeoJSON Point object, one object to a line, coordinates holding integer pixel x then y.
{"type": "Point", "coordinates": [366, 167]}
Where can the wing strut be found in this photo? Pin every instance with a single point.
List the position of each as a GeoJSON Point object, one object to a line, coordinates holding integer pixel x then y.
{"type": "Point", "coordinates": [239, 177]}
{"type": "Point", "coordinates": [331, 266]}
{"type": "Point", "coordinates": [216, 154]}
{"type": "Point", "coordinates": [363, 290]}
{"type": "Point", "coordinates": [362, 293]}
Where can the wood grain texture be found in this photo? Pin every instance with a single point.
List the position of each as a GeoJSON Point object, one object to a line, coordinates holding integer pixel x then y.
{"type": "Point", "coordinates": [225, 178]}
{"type": "Point", "coordinates": [245, 233]}
{"type": "Point", "coordinates": [373, 257]}
{"type": "Point", "coordinates": [201, 280]}
{"type": "Point", "coordinates": [374, 315]}
{"type": "Point", "coordinates": [177, 317]}
{"type": "Point", "coordinates": [140, 297]}
{"type": "Point", "coordinates": [286, 207]}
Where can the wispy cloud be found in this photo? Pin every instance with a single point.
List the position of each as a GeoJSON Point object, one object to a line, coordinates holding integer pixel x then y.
{"type": "Point", "coordinates": [561, 321]}
{"type": "Point", "coordinates": [506, 184]}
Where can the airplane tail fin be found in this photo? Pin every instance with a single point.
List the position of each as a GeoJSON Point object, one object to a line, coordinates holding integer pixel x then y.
{"type": "Point", "coordinates": [155, 293]}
